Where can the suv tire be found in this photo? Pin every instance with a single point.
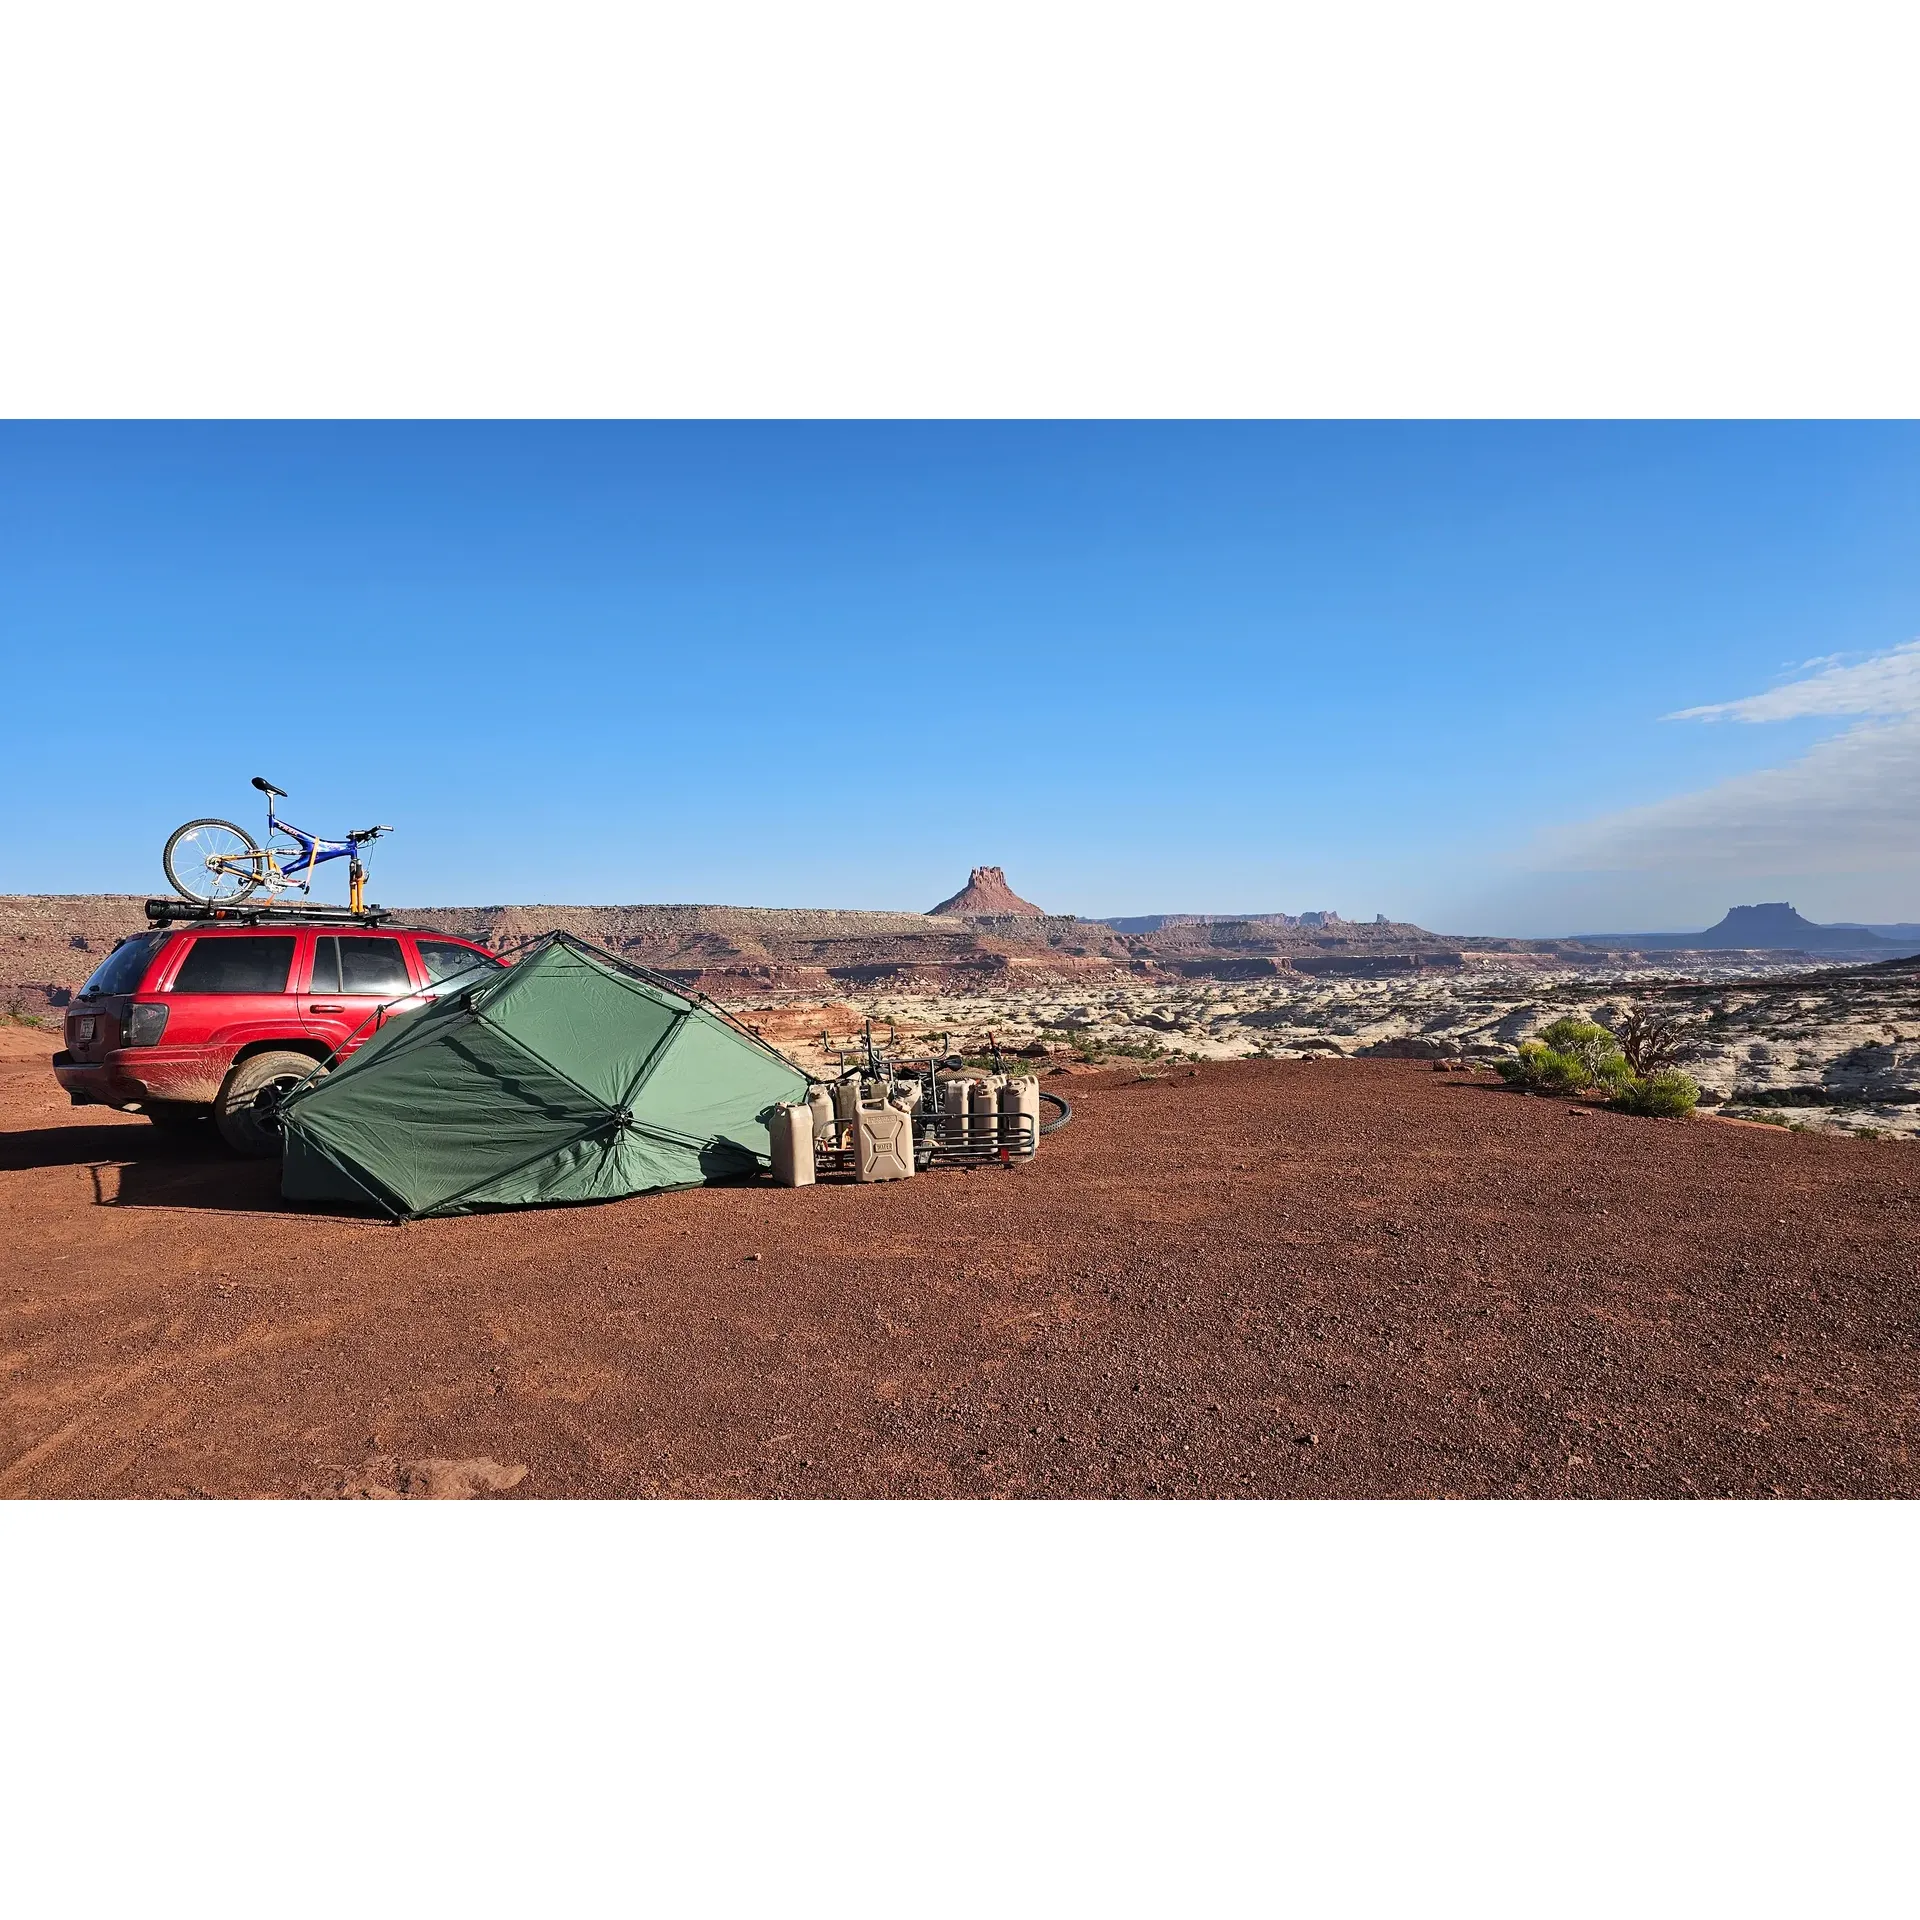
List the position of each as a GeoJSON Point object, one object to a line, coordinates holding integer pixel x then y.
{"type": "Point", "coordinates": [244, 1110]}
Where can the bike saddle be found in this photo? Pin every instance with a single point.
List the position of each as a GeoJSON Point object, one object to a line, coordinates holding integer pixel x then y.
{"type": "Point", "coordinates": [267, 786]}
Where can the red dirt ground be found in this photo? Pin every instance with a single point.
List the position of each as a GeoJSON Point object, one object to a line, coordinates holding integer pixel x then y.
{"type": "Point", "coordinates": [1330, 1278]}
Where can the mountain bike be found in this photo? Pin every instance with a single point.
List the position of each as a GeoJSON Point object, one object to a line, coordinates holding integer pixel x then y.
{"type": "Point", "coordinates": [214, 862]}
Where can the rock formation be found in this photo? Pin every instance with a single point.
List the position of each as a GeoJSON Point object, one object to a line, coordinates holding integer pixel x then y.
{"type": "Point", "coordinates": [986, 938]}
{"type": "Point", "coordinates": [1771, 927]}
{"type": "Point", "coordinates": [987, 896]}
{"type": "Point", "coordinates": [1775, 924]}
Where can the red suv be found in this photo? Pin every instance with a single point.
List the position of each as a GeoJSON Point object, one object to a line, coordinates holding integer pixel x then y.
{"type": "Point", "coordinates": [219, 1020]}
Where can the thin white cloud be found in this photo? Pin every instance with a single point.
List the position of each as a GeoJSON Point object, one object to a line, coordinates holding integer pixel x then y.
{"type": "Point", "coordinates": [1889, 683]}
{"type": "Point", "coordinates": [1850, 804]}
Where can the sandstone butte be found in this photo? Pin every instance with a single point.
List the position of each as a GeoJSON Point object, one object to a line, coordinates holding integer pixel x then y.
{"type": "Point", "coordinates": [987, 895]}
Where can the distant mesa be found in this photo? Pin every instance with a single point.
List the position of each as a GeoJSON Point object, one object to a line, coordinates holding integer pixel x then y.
{"type": "Point", "coordinates": [1772, 924]}
{"type": "Point", "coordinates": [1775, 923]}
{"type": "Point", "coordinates": [987, 895]}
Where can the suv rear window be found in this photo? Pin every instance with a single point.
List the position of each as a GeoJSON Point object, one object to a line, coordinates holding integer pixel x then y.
{"type": "Point", "coordinates": [237, 963]}
{"type": "Point", "coordinates": [361, 963]}
{"type": "Point", "coordinates": [122, 969]}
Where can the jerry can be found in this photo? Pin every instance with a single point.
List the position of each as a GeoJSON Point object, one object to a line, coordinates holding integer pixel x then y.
{"type": "Point", "coordinates": [883, 1143]}
{"type": "Point", "coordinates": [792, 1130]}
{"type": "Point", "coordinates": [1020, 1098]}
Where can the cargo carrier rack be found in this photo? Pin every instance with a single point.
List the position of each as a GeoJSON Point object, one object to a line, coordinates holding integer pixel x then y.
{"type": "Point", "coordinates": [164, 913]}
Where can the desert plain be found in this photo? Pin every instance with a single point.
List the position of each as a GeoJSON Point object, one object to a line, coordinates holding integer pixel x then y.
{"type": "Point", "coordinates": [1298, 1242]}
{"type": "Point", "coordinates": [1257, 1278]}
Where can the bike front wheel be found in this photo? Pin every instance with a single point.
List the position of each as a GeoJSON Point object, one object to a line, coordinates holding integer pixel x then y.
{"type": "Point", "coordinates": [212, 861]}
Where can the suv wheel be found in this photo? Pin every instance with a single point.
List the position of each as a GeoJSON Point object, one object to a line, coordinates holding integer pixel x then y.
{"type": "Point", "coordinates": [246, 1112]}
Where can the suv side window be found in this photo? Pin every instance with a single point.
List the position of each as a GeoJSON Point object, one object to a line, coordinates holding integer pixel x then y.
{"type": "Point", "coordinates": [447, 960]}
{"type": "Point", "coordinates": [236, 963]}
{"type": "Point", "coordinates": [360, 963]}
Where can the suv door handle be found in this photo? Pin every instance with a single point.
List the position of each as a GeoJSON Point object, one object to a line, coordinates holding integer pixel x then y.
{"type": "Point", "coordinates": [324, 1006]}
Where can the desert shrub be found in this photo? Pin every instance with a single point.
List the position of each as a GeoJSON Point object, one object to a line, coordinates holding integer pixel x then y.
{"type": "Point", "coordinates": [1613, 1074]}
{"type": "Point", "coordinates": [1569, 1031]}
{"type": "Point", "coordinates": [1512, 1069]}
{"type": "Point", "coordinates": [1589, 1044]}
{"type": "Point", "coordinates": [1516, 1068]}
{"type": "Point", "coordinates": [1539, 1069]}
{"type": "Point", "coordinates": [1666, 1095]}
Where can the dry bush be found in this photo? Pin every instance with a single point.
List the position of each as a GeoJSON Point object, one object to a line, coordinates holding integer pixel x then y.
{"type": "Point", "coordinates": [1650, 1043]}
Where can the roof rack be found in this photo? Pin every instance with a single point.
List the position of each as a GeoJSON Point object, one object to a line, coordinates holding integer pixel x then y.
{"type": "Point", "coordinates": [162, 913]}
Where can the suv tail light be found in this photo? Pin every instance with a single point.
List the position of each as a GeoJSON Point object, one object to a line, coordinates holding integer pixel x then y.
{"type": "Point", "coordinates": [146, 1022]}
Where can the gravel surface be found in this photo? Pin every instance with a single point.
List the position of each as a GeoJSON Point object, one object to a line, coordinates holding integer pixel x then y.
{"type": "Point", "coordinates": [1258, 1278]}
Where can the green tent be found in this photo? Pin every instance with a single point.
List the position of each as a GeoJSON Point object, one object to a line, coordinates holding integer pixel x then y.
{"type": "Point", "coordinates": [567, 1076]}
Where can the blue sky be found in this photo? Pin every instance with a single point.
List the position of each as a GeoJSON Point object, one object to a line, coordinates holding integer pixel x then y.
{"type": "Point", "coordinates": [1419, 669]}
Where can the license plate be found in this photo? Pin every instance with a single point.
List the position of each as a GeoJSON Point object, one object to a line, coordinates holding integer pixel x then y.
{"type": "Point", "coordinates": [83, 1028]}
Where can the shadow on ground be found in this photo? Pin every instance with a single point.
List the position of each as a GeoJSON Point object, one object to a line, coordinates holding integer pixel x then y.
{"type": "Point", "coordinates": [208, 1179]}
{"type": "Point", "coordinates": [149, 1167]}
{"type": "Point", "coordinates": [87, 1146]}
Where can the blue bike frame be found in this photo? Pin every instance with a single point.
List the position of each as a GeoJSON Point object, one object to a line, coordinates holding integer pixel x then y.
{"type": "Point", "coordinates": [314, 851]}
